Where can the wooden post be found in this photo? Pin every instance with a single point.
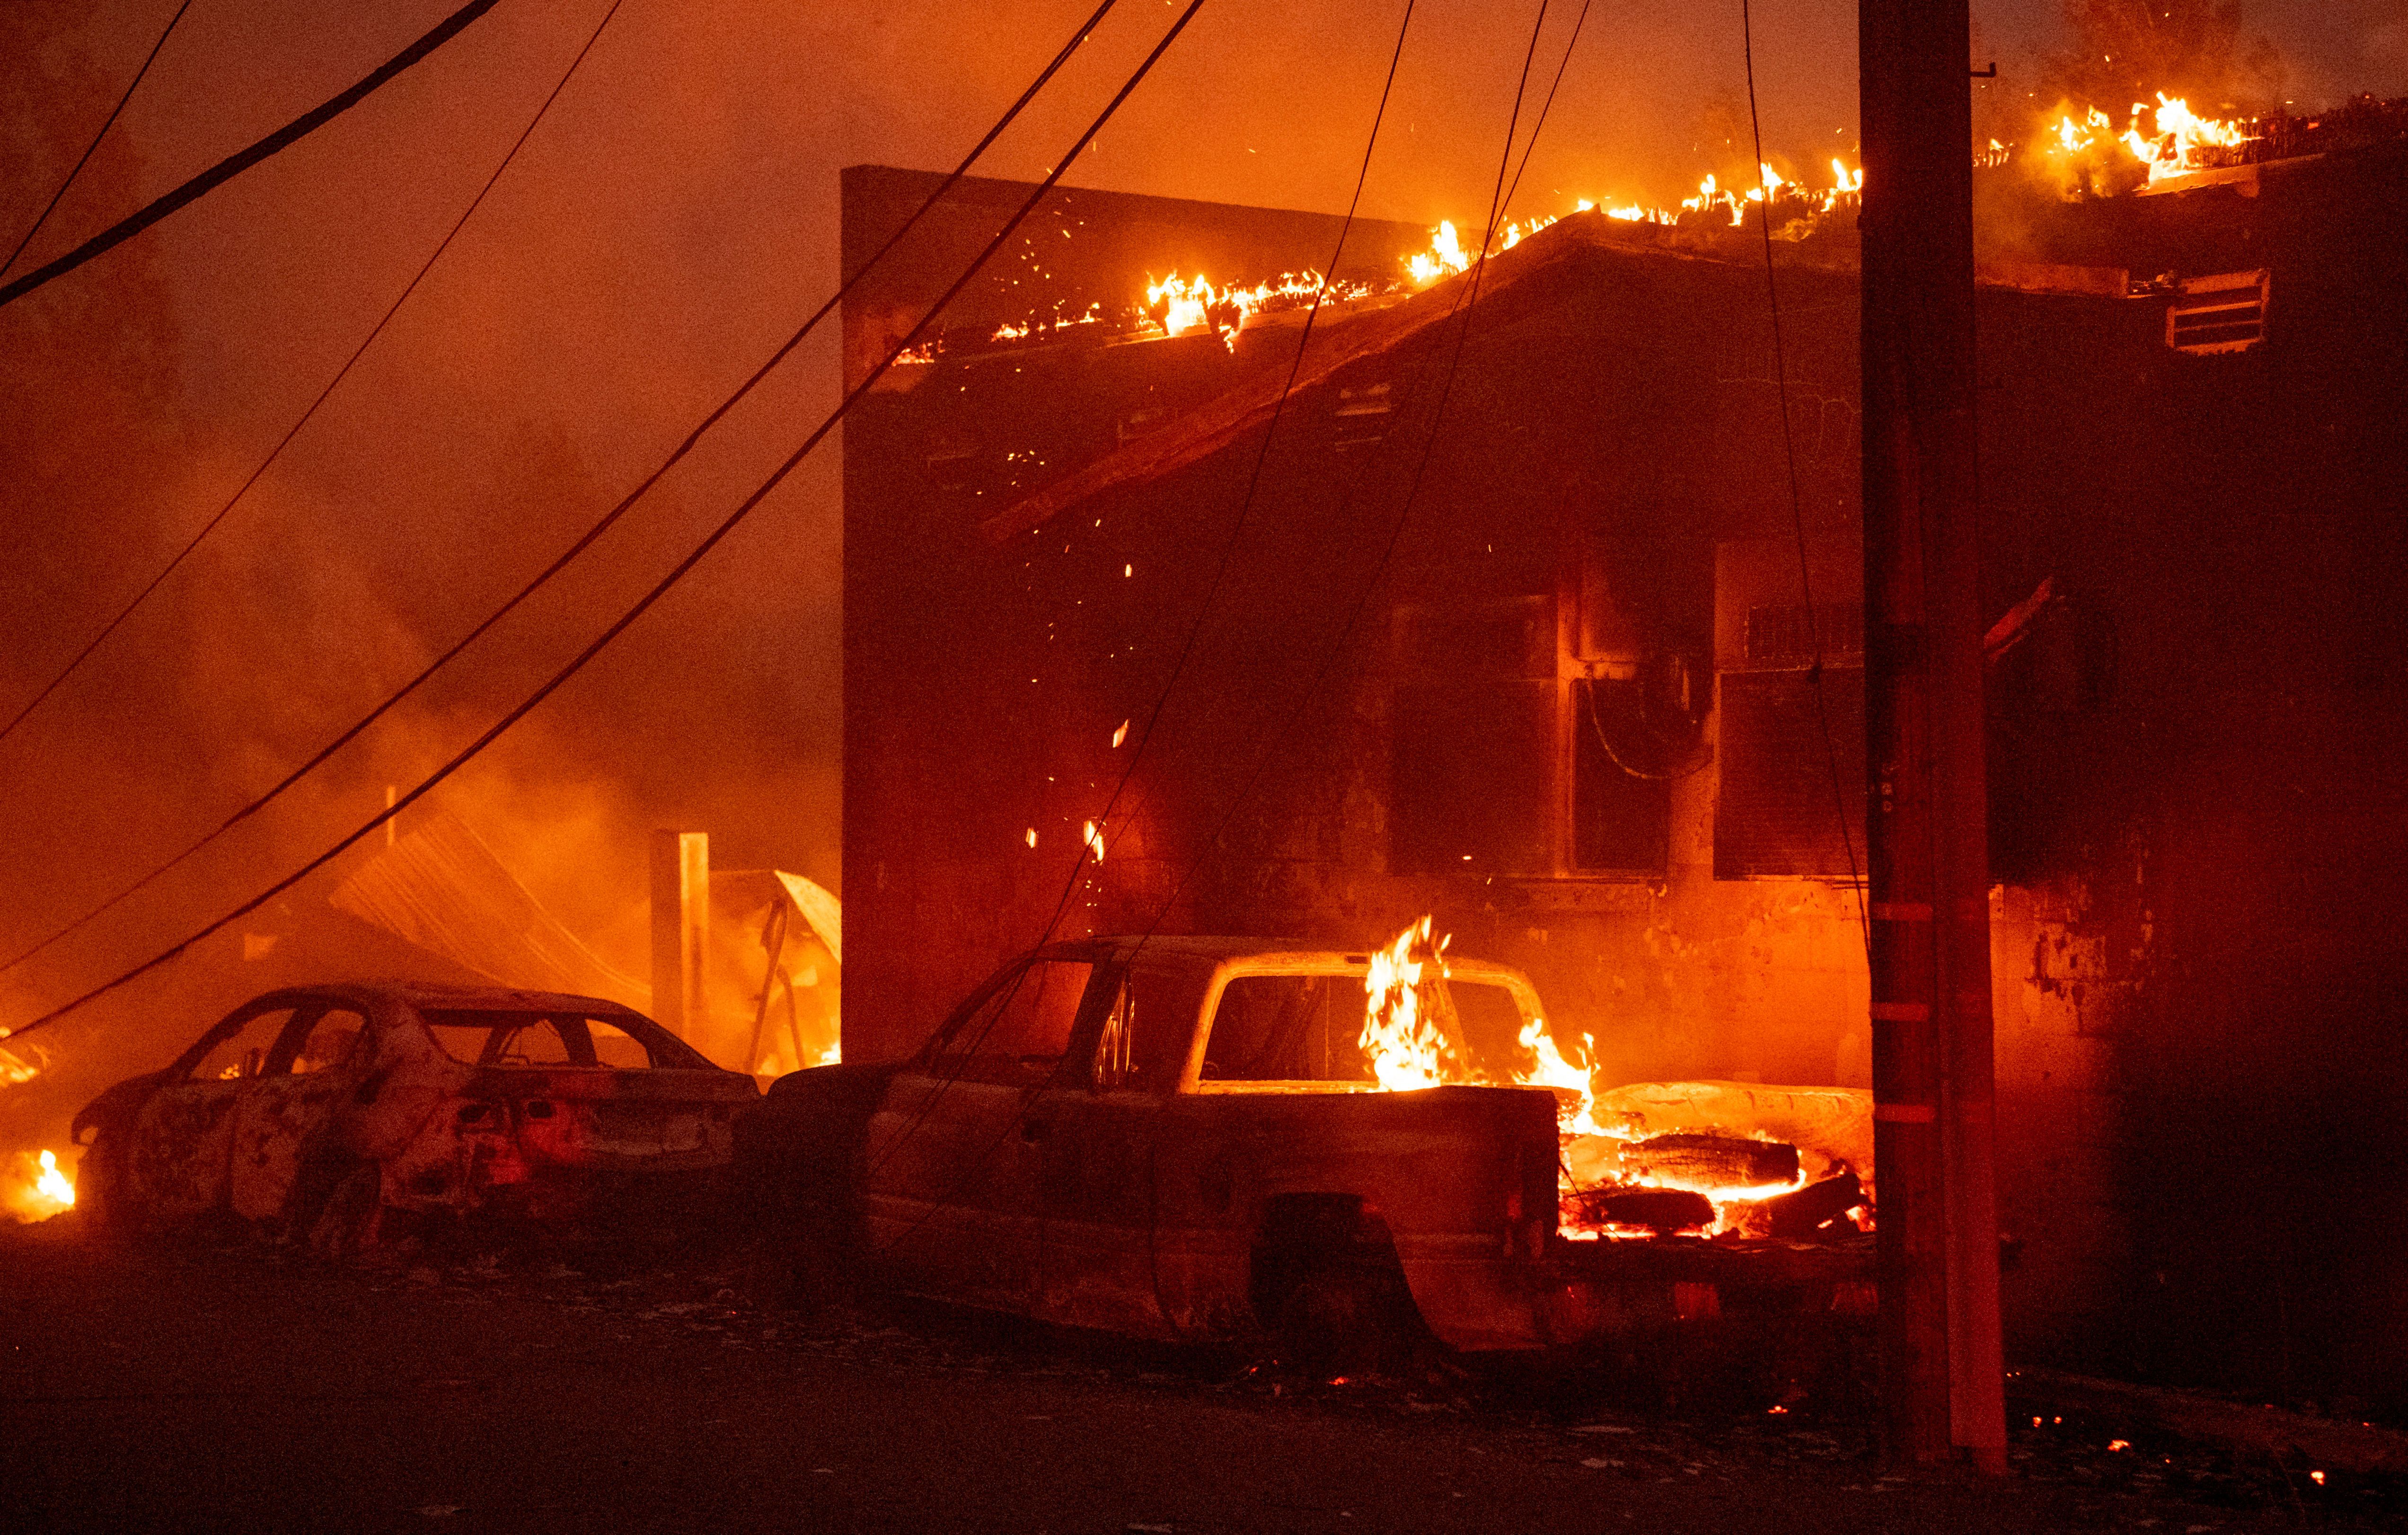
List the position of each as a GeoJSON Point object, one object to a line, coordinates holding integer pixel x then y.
{"type": "Point", "coordinates": [680, 930]}
{"type": "Point", "coordinates": [1927, 863]}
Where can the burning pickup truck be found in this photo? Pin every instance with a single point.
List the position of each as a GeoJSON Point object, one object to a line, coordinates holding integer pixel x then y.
{"type": "Point", "coordinates": [1189, 1137]}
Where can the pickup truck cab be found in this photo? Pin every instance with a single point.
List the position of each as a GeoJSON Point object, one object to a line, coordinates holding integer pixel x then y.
{"type": "Point", "coordinates": [1179, 1138]}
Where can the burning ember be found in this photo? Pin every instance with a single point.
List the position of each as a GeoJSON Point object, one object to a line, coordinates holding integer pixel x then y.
{"type": "Point", "coordinates": [1183, 306]}
{"type": "Point", "coordinates": [1616, 1178]}
{"type": "Point", "coordinates": [15, 1068]}
{"type": "Point", "coordinates": [38, 1190]}
{"type": "Point", "coordinates": [1796, 206]}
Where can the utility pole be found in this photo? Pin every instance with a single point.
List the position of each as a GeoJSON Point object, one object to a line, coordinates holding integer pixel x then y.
{"type": "Point", "coordinates": [681, 930]}
{"type": "Point", "coordinates": [1928, 857]}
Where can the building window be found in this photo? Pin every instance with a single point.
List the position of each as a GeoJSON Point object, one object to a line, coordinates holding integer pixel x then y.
{"type": "Point", "coordinates": [1508, 761]}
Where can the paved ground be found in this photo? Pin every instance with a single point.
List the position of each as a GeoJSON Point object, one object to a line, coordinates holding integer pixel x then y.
{"type": "Point", "coordinates": [194, 1388]}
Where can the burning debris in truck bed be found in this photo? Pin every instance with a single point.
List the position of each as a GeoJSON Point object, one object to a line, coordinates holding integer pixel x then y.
{"type": "Point", "coordinates": [1644, 1161]}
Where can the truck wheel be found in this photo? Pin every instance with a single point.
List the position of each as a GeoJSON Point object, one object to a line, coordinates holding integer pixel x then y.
{"type": "Point", "coordinates": [1339, 1318]}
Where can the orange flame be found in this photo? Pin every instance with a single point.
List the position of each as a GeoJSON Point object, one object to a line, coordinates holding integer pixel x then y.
{"type": "Point", "coordinates": [1405, 1049]}
{"type": "Point", "coordinates": [41, 1189]}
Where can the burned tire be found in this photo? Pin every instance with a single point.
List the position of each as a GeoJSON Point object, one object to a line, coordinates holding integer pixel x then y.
{"type": "Point", "coordinates": [1341, 1320]}
{"type": "Point", "coordinates": [348, 1222]}
{"type": "Point", "coordinates": [1329, 1289]}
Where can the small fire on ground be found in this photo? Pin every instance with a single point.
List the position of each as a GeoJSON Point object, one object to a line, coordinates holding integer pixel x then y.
{"type": "Point", "coordinates": [1614, 1180]}
{"type": "Point", "coordinates": [36, 1187]}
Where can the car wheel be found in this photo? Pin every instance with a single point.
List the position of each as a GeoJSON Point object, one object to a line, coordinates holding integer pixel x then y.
{"type": "Point", "coordinates": [349, 1222]}
{"type": "Point", "coordinates": [100, 1203]}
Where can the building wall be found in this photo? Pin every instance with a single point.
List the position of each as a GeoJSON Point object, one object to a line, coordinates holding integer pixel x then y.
{"type": "Point", "coordinates": [2196, 795]}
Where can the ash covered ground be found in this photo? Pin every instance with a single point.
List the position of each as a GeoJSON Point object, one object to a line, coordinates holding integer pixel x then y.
{"type": "Point", "coordinates": [198, 1386]}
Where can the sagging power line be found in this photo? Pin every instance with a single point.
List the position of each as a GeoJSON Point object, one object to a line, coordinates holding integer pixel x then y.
{"type": "Point", "coordinates": [340, 374]}
{"type": "Point", "coordinates": [601, 525]}
{"type": "Point", "coordinates": [110, 121]}
{"type": "Point", "coordinates": [675, 574]}
{"type": "Point", "coordinates": [242, 160]}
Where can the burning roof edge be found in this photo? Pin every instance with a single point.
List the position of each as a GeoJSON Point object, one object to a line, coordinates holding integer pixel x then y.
{"type": "Point", "coordinates": [1250, 405]}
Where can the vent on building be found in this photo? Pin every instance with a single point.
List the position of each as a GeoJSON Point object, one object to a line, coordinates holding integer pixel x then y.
{"type": "Point", "coordinates": [2222, 313]}
{"type": "Point", "coordinates": [1362, 414]}
{"type": "Point", "coordinates": [1138, 422]}
{"type": "Point", "coordinates": [1779, 635]}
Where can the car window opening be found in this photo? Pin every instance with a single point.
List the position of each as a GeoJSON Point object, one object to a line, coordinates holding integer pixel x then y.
{"type": "Point", "coordinates": [1017, 1037]}
{"type": "Point", "coordinates": [534, 1039]}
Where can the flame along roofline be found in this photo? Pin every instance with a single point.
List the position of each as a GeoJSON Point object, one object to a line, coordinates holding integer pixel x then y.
{"type": "Point", "coordinates": [1569, 241]}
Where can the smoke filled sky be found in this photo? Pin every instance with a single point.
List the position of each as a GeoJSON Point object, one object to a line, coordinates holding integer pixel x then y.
{"type": "Point", "coordinates": [668, 223]}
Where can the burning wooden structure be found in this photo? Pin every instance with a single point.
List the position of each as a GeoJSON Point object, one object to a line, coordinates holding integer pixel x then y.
{"type": "Point", "coordinates": [1541, 663]}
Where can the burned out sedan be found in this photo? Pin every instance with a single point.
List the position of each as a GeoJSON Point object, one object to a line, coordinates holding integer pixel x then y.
{"type": "Point", "coordinates": [345, 1114]}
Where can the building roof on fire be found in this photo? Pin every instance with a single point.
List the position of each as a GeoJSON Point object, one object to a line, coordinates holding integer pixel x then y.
{"type": "Point", "coordinates": [1567, 250]}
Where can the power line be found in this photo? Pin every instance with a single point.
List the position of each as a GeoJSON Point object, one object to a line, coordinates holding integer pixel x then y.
{"type": "Point", "coordinates": [340, 374]}
{"type": "Point", "coordinates": [675, 574]}
{"type": "Point", "coordinates": [1070, 886]}
{"type": "Point", "coordinates": [1547, 106]}
{"type": "Point", "coordinates": [1245, 507]}
{"type": "Point", "coordinates": [235, 164]}
{"type": "Point", "coordinates": [52, 207]}
{"type": "Point", "coordinates": [1790, 452]}
{"type": "Point", "coordinates": [608, 519]}
{"type": "Point", "coordinates": [1469, 302]}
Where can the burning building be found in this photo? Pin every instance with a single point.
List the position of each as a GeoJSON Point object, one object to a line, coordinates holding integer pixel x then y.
{"type": "Point", "coordinates": [1549, 624]}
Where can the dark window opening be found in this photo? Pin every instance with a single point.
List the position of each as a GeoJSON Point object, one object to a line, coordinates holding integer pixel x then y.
{"type": "Point", "coordinates": [1622, 773]}
{"type": "Point", "coordinates": [1287, 1028]}
{"type": "Point", "coordinates": [1469, 779]}
{"type": "Point", "coordinates": [496, 1037]}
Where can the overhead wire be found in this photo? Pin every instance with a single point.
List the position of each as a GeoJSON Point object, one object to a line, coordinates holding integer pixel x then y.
{"type": "Point", "coordinates": [602, 524]}
{"type": "Point", "coordinates": [1496, 214]}
{"type": "Point", "coordinates": [110, 121]}
{"type": "Point", "coordinates": [340, 374]}
{"type": "Point", "coordinates": [1245, 507]}
{"type": "Point", "coordinates": [1470, 300]}
{"type": "Point", "coordinates": [1547, 106]}
{"type": "Point", "coordinates": [1253, 481]}
{"type": "Point", "coordinates": [675, 574]}
{"type": "Point", "coordinates": [1797, 500]}
{"type": "Point", "coordinates": [242, 160]}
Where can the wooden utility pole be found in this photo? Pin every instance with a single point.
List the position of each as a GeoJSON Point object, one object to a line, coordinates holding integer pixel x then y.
{"type": "Point", "coordinates": [680, 930]}
{"type": "Point", "coordinates": [1927, 853]}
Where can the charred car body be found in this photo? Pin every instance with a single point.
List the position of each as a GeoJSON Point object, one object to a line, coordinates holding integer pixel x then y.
{"type": "Point", "coordinates": [1179, 1139]}
{"type": "Point", "coordinates": [336, 1112]}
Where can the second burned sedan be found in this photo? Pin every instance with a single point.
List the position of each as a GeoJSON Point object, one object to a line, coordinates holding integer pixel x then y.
{"type": "Point", "coordinates": [342, 1112]}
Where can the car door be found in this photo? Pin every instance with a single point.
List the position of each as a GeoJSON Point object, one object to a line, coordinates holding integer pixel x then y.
{"type": "Point", "coordinates": [1098, 1127]}
{"type": "Point", "coordinates": [284, 1115]}
{"type": "Point", "coordinates": [950, 1184]}
{"type": "Point", "coordinates": [183, 1138]}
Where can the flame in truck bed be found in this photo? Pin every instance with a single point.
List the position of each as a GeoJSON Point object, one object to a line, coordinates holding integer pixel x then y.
{"type": "Point", "coordinates": [1620, 1174]}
